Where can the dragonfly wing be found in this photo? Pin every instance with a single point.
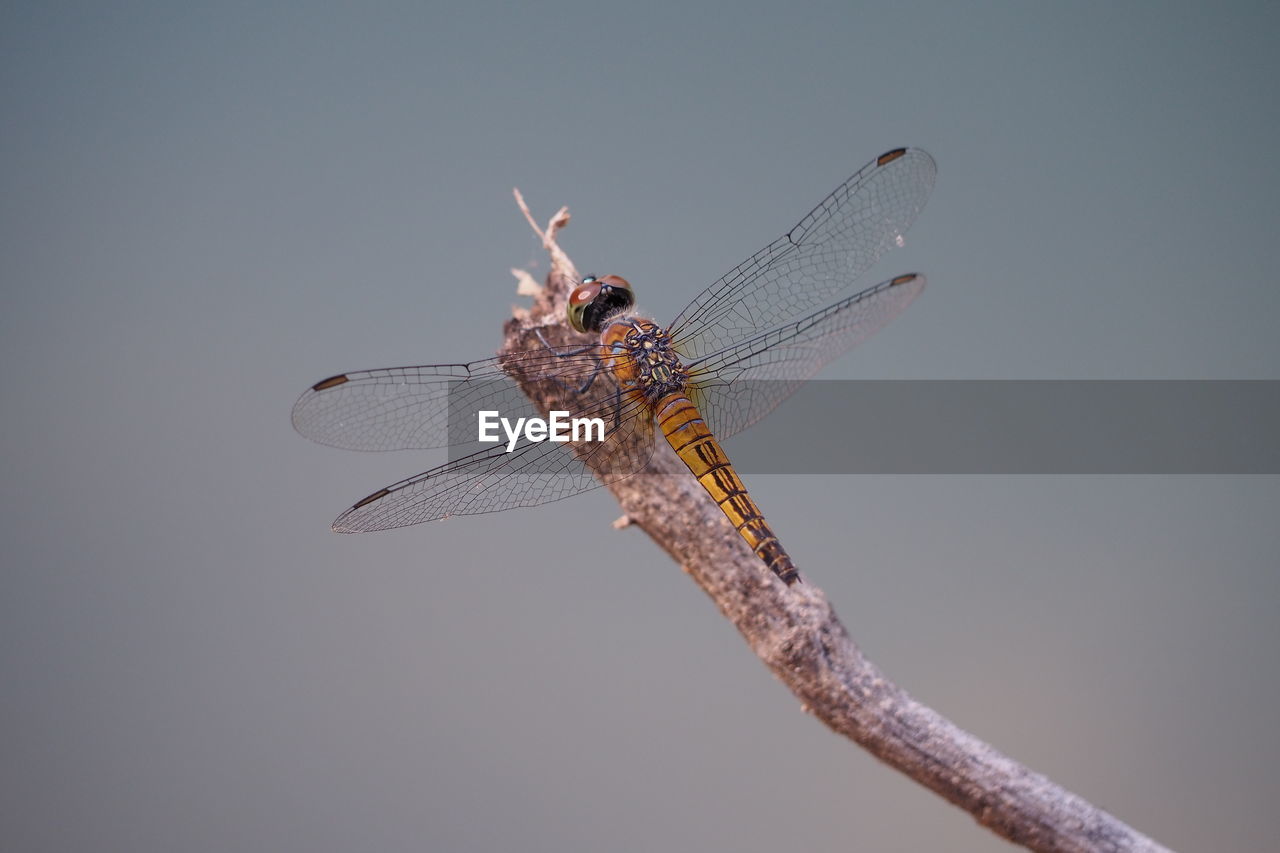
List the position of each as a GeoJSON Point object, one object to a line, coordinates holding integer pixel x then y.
{"type": "Point", "coordinates": [825, 253]}
{"type": "Point", "coordinates": [738, 385]}
{"type": "Point", "coordinates": [491, 479]}
{"type": "Point", "coordinates": [435, 405]}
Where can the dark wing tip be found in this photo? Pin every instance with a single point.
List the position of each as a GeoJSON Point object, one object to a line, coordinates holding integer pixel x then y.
{"type": "Point", "coordinates": [331, 382]}
{"type": "Point", "coordinates": [378, 495]}
{"type": "Point", "coordinates": [343, 524]}
{"type": "Point", "coordinates": [889, 156]}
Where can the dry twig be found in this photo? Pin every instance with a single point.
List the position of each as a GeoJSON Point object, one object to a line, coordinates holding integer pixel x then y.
{"type": "Point", "coordinates": [797, 634]}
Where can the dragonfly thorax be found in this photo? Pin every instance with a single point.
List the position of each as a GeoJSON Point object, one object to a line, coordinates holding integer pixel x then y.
{"type": "Point", "coordinates": [640, 354]}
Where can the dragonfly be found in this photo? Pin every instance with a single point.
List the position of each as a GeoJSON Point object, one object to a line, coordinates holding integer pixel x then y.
{"type": "Point", "coordinates": [740, 348]}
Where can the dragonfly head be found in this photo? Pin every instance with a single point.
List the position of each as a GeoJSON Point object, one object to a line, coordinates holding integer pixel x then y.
{"type": "Point", "coordinates": [598, 299]}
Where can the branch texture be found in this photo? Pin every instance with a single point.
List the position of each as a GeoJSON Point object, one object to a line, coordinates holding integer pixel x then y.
{"type": "Point", "coordinates": [798, 635]}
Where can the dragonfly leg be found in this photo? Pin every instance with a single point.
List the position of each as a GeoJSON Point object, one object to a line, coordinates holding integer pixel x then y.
{"type": "Point", "coordinates": [562, 353]}
{"type": "Point", "coordinates": [617, 408]}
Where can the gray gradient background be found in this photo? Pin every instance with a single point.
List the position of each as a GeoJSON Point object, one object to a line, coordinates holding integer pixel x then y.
{"type": "Point", "coordinates": [206, 211]}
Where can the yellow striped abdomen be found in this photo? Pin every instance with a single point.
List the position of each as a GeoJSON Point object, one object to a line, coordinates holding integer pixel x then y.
{"type": "Point", "coordinates": [680, 422]}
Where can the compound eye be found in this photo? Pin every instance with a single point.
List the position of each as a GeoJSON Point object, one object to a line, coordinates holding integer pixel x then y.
{"type": "Point", "coordinates": [584, 293]}
{"type": "Point", "coordinates": [616, 281]}
{"type": "Point", "coordinates": [580, 299]}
